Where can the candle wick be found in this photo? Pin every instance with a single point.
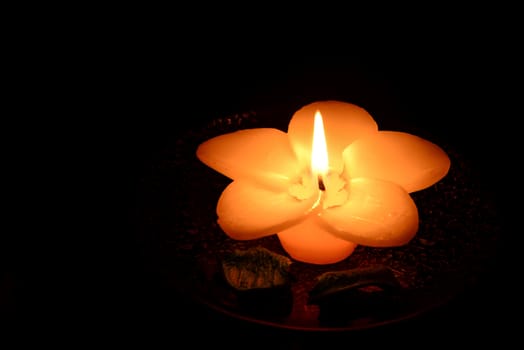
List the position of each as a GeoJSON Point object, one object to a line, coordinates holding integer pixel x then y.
{"type": "Point", "coordinates": [321, 185]}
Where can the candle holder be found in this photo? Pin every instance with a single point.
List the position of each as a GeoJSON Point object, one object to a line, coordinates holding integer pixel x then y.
{"type": "Point", "coordinates": [459, 228]}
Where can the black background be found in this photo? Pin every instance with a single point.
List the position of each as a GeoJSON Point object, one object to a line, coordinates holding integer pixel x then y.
{"type": "Point", "coordinates": [131, 96]}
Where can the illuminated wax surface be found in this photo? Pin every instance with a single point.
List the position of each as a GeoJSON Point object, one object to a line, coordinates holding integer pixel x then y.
{"type": "Point", "coordinates": [331, 182]}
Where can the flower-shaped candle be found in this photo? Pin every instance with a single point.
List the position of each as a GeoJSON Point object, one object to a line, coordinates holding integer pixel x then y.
{"type": "Point", "coordinates": [331, 182]}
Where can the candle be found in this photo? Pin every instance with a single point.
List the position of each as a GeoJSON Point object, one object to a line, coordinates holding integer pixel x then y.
{"type": "Point", "coordinates": [331, 182]}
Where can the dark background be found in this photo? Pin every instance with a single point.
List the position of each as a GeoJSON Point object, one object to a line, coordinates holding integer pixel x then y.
{"type": "Point", "coordinates": [136, 96]}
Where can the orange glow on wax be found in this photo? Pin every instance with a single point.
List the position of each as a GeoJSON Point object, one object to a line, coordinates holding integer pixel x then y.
{"type": "Point", "coordinates": [331, 182]}
{"type": "Point", "coordinates": [308, 241]}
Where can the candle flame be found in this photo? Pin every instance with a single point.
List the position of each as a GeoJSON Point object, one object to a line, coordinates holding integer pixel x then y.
{"type": "Point", "coordinates": [319, 153]}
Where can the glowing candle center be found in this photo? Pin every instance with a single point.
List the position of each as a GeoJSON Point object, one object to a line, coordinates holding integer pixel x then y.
{"type": "Point", "coordinates": [319, 153]}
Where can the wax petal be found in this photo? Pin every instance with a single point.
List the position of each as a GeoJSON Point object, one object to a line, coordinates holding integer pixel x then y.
{"type": "Point", "coordinates": [377, 214]}
{"type": "Point", "coordinates": [408, 160]}
{"type": "Point", "coordinates": [263, 155]}
{"type": "Point", "coordinates": [343, 123]}
{"type": "Point", "coordinates": [246, 211]}
{"type": "Point", "coordinates": [310, 242]}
